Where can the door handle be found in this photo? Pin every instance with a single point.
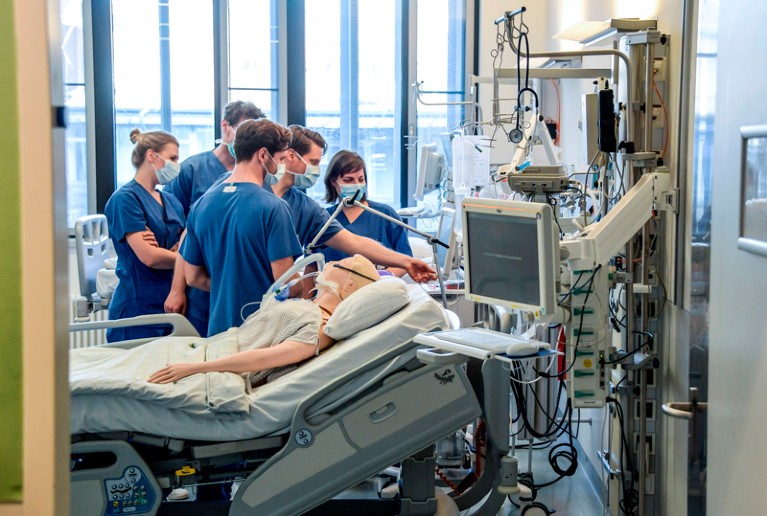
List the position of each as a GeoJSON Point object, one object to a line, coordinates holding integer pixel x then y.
{"type": "Point", "coordinates": [687, 410]}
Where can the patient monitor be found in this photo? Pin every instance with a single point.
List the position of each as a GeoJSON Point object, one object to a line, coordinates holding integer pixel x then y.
{"type": "Point", "coordinates": [430, 168]}
{"type": "Point", "coordinates": [449, 258]}
{"type": "Point", "coordinates": [511, 254]}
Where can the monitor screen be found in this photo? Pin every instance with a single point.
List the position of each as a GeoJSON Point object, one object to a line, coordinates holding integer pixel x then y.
{"type": "Point", "coordinates": [430, 168]}
{"type": "Point", "coordinates": [443, 234]}
{"type": "Point", "coordinates": [511, 254]}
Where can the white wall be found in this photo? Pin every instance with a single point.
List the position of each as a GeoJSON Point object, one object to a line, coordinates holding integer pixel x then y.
{"type": "Point", "coordinates": [738, 334]}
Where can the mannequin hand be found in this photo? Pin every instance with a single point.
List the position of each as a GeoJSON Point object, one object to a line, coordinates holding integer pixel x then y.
{"type": "Point", "coordinates": [173, 373]}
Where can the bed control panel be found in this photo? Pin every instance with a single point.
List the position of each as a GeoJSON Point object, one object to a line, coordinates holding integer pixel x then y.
{"type": "Point", "coordinates": [129, 494]}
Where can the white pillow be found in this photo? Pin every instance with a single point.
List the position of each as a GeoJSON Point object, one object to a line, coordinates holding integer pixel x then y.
{"type": "Point", "coordinates": [367, 307]}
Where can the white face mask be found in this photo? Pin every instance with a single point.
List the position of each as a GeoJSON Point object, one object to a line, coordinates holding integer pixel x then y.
{"type": "Point", "coordinates": [168, 171]}
{"type": "Point", "coordinates": [277, 175]}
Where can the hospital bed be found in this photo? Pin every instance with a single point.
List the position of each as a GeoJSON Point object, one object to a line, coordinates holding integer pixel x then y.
{"type": "Point", "coordinates": [367, 403]}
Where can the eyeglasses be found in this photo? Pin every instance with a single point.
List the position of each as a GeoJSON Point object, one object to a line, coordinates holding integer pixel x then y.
{"type": "Point", "coordinates": [353, 272]}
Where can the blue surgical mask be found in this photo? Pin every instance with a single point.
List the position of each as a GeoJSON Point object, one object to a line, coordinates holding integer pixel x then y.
{"type": "Point", "coordinates": [230, 146]}
{"type": "Point", "coordinates": [309, 178]}
{"type": "Point", "coordinates": [168, 172]}
{"type": "Point", "coordinates": [271, 180]}
{"type": "Point", "coordinates": [348, 191]}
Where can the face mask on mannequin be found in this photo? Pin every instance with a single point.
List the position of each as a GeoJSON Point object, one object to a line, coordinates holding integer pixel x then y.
{"type": "Point", "coordinates": [168, 171]}
{"type": "Point", "coordinates": [309, 178]}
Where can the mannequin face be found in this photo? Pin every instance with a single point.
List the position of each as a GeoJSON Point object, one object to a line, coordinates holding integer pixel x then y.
{"type": "Point", "coordinates": [348, 280]}
{"type": "Point", "coordinates": [343, 278]}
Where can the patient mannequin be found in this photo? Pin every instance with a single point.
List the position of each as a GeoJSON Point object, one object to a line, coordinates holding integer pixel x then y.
{"type": "Point", "coordinates": [283, 333]}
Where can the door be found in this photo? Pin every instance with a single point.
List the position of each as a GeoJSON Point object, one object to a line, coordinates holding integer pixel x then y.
{"type": "Point", "coordinates": [736, 448]}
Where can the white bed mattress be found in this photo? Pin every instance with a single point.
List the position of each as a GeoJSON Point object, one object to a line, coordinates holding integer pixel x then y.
{"type": "Point", "coordinates": [272, 405]}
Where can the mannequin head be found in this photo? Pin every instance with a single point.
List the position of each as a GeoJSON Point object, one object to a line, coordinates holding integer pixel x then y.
{"type": "Point", "coordinates": [345, 277]}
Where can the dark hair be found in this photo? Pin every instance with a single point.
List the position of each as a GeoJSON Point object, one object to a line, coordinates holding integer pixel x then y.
{"type": "Point", "coordinates": [344, 162]}
{"type": "Point", "coordinates": [253, 135]}
{"type": "Point", "coordinates": [301, 139]}
{"type": "Point", "coordinates": [154, 140]}
{"type": "Point", "coordinates": [239, 110]}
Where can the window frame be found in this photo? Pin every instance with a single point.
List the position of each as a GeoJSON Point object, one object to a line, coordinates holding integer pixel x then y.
{"type": "Point", "coordinates": [289, 79]}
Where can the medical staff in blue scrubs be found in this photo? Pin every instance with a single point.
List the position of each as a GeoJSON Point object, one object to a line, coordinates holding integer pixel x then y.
{"type": "Point", "coordinates": [345, 175]}
{"type": "Point", "coordinates": [145, 226]}
{"type": "Point", "coordinates": [198, 173]}
{"type": "Point", "coordinates": [302, 164]}
{"type": "Point", "coordinates": [240, 237]}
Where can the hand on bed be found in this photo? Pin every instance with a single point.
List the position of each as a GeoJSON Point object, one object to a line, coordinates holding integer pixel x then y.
{"type": "Point", "coordinates": [420, 271]}
{"type": "Point", "coordinates": [173, 373]}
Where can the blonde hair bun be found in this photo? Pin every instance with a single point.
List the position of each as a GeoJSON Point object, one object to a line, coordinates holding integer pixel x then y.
{"type": "Point", "coordinates": [135, 136]}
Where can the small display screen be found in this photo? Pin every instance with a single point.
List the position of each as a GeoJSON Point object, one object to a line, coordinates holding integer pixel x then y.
{"type": "Point", "coordinates": [503, 257]}
{"type": "Point", "coordinates": [443, 234]}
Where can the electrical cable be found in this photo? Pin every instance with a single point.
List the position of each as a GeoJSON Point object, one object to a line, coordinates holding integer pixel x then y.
{"type": "Point", "coordinates": [665, 117]}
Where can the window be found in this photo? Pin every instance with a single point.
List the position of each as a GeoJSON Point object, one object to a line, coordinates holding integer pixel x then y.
{"type": "Point", "coordinates": [253, 74]}
{"type": "Point", "coordinates": [174, 64]}
{"type": "Point", "coordinates": [350, 54]}
{"type": "Point", "coordinates": [163, 74]}
{"type": "Point", "coordinates": [441, 71]}
{"type": "Point", "coordinates": [74, 95]}
{"type": "Point", "coordinates": [351, 51]}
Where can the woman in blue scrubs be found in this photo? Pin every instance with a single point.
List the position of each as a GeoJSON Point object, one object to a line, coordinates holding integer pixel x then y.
{"type": "Point", "coordinates": [145, 226]}
{"type": "Point", "coordinates": [346, 173]}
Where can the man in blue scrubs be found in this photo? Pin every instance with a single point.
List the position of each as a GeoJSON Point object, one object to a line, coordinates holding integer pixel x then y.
{"type": "Point", "coordinates": [302, 162]}
{"type": "Point", "coordinates": [198, 173]}
{"type": "Point", "coordinates": [240, 238]}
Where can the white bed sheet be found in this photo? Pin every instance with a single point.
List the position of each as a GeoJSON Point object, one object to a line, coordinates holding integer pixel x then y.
{"type": "Point", "coordinates": [271, 406]}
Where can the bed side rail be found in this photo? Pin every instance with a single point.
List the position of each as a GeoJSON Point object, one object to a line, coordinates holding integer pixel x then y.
{"type": "Point", "coordinates": [181, 327]}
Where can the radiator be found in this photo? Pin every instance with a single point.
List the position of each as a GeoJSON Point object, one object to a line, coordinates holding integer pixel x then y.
{"type": "Point", "coordinates": [85, 339]}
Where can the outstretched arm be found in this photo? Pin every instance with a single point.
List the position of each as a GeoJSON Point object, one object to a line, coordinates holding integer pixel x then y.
{"type": "Point", "coordinates": [250, 361]}
{"type": "Point", "coordinates": [349, 243]}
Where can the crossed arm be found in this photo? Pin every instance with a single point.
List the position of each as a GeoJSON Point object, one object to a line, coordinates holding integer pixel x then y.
{"type": "Point", "coordinates": [351, 244]}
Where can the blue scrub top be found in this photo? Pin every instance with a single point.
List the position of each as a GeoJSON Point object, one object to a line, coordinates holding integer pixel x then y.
{"type": "Point", "coordinates": [372, 226]}
{"type": "Point", "coordinates": [236, 231]}
{"type": "Point", "coordinates": [197, 174]}
{"type": "Point", "coordinates": [142, 289]}
{"type": "Point", "coordinates": [308, 217]}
